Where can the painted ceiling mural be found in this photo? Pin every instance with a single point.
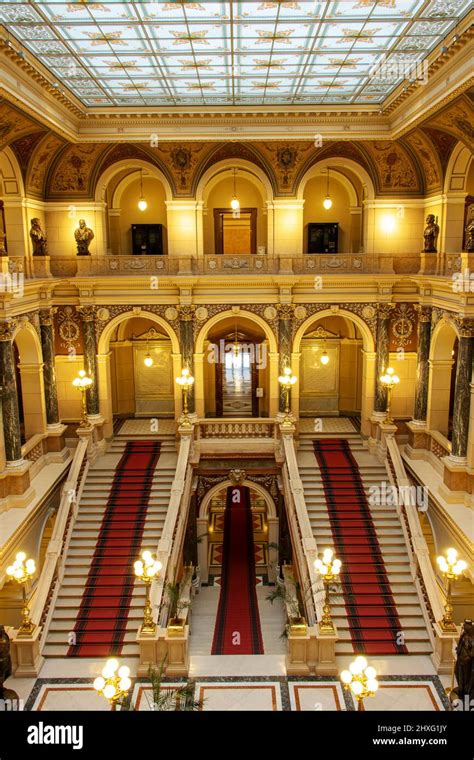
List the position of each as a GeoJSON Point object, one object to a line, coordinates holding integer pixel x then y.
{"type": "Point", "coordinates": [231, 53]}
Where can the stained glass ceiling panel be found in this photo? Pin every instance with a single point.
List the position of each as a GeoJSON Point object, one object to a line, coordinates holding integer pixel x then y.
{"type": "Point", "coordinates": [232, 53]}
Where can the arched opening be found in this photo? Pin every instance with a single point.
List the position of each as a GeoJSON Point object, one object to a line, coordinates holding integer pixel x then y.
{"type": "Point", "coordinates": [237, 552]}
{"type": "Point", "coordinates": [30, 383]}
{"type": "Point", "coordinates": [125, 381]}
{"type": "Point", "coordinates": [235, 367]}
{"type": "Point", "coordinates": [345, 384]}
{"type": "Point", "coordinates": [234, 231]}
{"type": "Point", "coordinates": [442, 377]}
{"type": "Point", "coordinates": [128, 229]}
{"type": "Point", "coordinates": [141, 369]}
{"type": "Point", "coordinates": [331, 368]}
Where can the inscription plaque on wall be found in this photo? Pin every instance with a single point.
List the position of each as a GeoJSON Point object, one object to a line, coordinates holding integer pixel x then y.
{"type": "Point", "coordinates": [154, 392]}
{"type": "Point", "coordinates": [319, 382]}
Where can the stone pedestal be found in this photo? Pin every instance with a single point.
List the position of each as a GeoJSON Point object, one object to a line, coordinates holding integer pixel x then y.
{"type": "Point", "coordinates": [177, 662]}
{"type": "Point", "coordinates": [386, 429]}
{"type": "Point", "coordinates": [297, 657]}
{"type": "Point", "coordinates": [418, 437]}
{"type": "Point", "coordinates": [428, 263]}
{"type": "Point", "coordinates": [455, 475]}
{"type": "Point", "coordinates": [41, 266]}
{"type": "Point", "coordinates": [443, 656]}
{"type": "Point", "coordinates": [326, 664]}
{"type": "Point", "coordinates": [148, 651]}
{"type": "Point", "coordinates": [85, 265]}
{"type": "Point", "coordinates": [26, 658]}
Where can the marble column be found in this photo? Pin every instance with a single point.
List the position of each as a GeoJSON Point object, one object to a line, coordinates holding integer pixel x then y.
{"type": "Point", "coordinates": [462, 389]}
{"type": "Point", "coordinates": [384, 309]}
{"type": "Point", "coordinates": [285, 340]}
{"type": "Point", "coordinates": [422, 365]}
{"type": "Point", "coordinates": [90, 357]}
{"type": "Point", "coordinates": [10, 413]}
{"type": "Point", "coordinates": [49, 369]}
{"type": "Point", "coordinates": [186, 321]}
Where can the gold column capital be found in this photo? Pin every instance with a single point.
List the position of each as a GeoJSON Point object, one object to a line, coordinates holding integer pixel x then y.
{"type": "Point", "coordinates": [46, 316]}
{"type": "Point", "coordinates": [285, 311]}
{"type": "Point", "coordinates": [7, 328]}
{"type": "Point", "coordinates": [87, 313]}
{"type": "Point", "coordinates": [186, 312]}
{"type": "Point", "coordinates": [384, 310]}
{"type": "Point", "coordinates": [424, 312]}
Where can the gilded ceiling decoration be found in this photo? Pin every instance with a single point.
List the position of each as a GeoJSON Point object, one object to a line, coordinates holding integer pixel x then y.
{"type": "Point", "coordinates": [423, 149]}
{"type": "Point", "coordinates": [444, 143]}
{"type": "Point", "coordinates": [24, 147]}
{"type": "Point", "coordinates": [457, 119]}
{"type": "Point", "coordinates": [14, 124]}
{"type": "Point", "coordinates": [72, 172]}
{"type": "Point", "coordinates": [40, 161]}
{"type": "Point", "coordinates": [231, 53]}
{"type": "Point", "coordinates": [395, 170]}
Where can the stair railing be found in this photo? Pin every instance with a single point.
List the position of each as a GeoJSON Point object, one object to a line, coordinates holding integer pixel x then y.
{"type": "Point", "coordinates": [304, 543]}
{"type": "Point", "coordinates": [170, 543]}
{"type": "Point", "coordinates": [52, 572]}
{"type": "Point", "coordinates": [422, 571]}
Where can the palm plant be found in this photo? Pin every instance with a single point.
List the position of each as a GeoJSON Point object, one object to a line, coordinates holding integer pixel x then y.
{"type": "Point", "coordinates": [170, 697]}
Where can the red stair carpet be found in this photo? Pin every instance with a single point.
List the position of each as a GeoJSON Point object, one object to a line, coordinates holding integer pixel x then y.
{"type": "Point", "coordinates": [371, 611]}
{"type": "Point", "coordinates": [102, 618]}
{"type": "Point", "coordinates": [237, 629]}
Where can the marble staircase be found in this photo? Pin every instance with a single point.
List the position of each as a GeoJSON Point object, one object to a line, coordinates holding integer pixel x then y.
{"type": "Point", "coordinates": [83, 541]}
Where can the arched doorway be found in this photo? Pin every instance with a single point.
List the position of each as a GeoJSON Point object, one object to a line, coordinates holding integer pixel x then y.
{"type": "Point", "coordinates": [127, 386]}
{"type": "Point", "coordinates": [30, 383]}
{"type": "Point", "coordinates": [442, 377]}
{"type": "Point", "coordinates": [236, 367]}
{"type": "Point", "coordinates": [237, 531]}
{"type": "Point", "coordinates": [334, 359]}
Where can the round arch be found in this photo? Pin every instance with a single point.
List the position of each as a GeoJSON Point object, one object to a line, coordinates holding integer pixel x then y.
{"type": "Point", "coordinates": [457, 169]}
{"type": "Point", "coordinates": [224, 168]}
{"type": "Point", "coordinates": [441, 375]}
{"type": "Point", "coordinates": [10, 173]}
{"type": "Point", "coordinates": [104, 369]}
{"type": "Point", "coordinates": [30, 379]}
{"type": "Point", "coordinates": [203, 521]}
{"type": "Point", "coordinates": [368, 362]}
{"type": "Point", "coordinates": [199, 357]}
{"type": "Point", "coordinates": [132, 164]}
{"type": "Point", "coordinates": [341, 163]}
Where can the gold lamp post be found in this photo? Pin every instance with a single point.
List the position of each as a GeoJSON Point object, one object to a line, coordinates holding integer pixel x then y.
{"type": "Point", "coordinates": [329, 568]}
{"type": "Point", "coordinates": [185, 381]}
{"type": "Point", "coordinates": [287, 380]}
{"type": "Point", "coordinates": [83, 382]}
{"type": "Point", "coordinates": [114, 683]}
{"type": "Point", "coordinates": [21, 571]}
{"type": "Point", "coordinates": [451, 568]}
{"type": "Point", "coordinates": [389, 380]}
{"type": "Point", "coordinates": [146, 569]}
{"type": "Point", "coordinates": [361, 679]}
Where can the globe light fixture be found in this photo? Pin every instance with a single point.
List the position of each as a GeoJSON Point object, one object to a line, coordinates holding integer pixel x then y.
{"type": "Point", "coordinates": [147, 569]}
{"type": "Point", "coordinates": [361, 679]}
{"type": "Point", "coordinates": [327, 202]}
{"type": "Point", "coordinates": [83, 382]}
{"type": "Point", "coordinates": [21, 571]}
{"type": "Point", "coordinates": [148, 361]}
{"type": "Point", "coordinates": [329, 568]}
{"type": "Point", "coordinates": [142, 204]}
{"type": "Point", "coordinates": [286, 380]}
{"type": "Point", "coordinates": [324, 357]}
{"type": "Point", "coordinates": [389, 380]}
{"type": "Point", "coordinates": [451, 568]}
{"type": "Point", "coordinates": [114, 683]}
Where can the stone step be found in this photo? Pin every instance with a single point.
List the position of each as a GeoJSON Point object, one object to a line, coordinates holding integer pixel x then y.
{"type": "Point", "coordinates": [414, 648]}
{"type": "Point", "coordinates": [56, 650]}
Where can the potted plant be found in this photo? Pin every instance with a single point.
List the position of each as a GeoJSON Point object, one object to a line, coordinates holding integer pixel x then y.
{"type": "Point", "coordinates": [170, 696]}
{"type": "Point", "coordinates": [296, 625]}
{"type": "Point", "coordinates": [177, 604]}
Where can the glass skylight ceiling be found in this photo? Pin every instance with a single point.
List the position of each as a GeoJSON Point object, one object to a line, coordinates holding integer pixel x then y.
{"type": "Point", "coordinates": [231, 53]}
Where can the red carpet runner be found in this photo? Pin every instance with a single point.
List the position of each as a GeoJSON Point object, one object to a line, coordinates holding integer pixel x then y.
{"type": "Point", "coordinates": [102, 618]}
{"type": "Point", "coordinates": [237, 629]}
{"type": "Point", "coordinates": [371, 611]}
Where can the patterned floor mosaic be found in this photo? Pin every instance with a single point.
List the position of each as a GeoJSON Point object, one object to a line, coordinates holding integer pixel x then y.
{"type": "Point", "coordinates": [255, 693]}
{"type": "Point", "coordinates": [327, 425]}
{"type": "Point", "coordinates": [143, 427]}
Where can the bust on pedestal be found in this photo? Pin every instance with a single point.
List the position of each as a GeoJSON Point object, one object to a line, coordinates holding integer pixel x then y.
{"type": "Point", "coordinates": [430, 235]}
{"type": "Point", "coordinates": [83, 236]}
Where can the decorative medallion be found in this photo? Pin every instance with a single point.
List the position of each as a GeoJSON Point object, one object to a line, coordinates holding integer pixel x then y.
{"type": "Point", "coordinates": [270, 313]}
{"type": "Point", "coordinates": [301, 312]}
{"type": "Point", "coordinates": [103, 314]}
{"type": "Point", "coordinates": [171, 314]}
{"type": "Point", "coordinates": [369, 312]}
{"type": "Point", "coordinates": [69, 330]}
{"type": "Point", "coordinates": [201, 314]}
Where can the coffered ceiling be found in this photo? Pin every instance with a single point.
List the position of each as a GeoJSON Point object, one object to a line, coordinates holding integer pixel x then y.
{"type": "Point", "coordinates": [141, 54]}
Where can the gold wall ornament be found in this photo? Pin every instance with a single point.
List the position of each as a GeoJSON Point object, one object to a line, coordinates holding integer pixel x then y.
{"type": "Point", "coordinates": [7, 328]}
{"type": "Point", "coordinates": [237, 477]}
{"type": "Point", "coordinates": [384, 310]}
{"type": "Point", "coordinates": [46, 316]}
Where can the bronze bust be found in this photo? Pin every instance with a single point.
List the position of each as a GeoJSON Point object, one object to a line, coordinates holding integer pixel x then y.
{"type": "Point", "coordinates": [83, 236]}
{"type": "Point", "coordinates": [463, 668]}
{"type": "Point", "coordinates": [5, 658]}
{"type": "Point", "coordinates": [430, 234]}
{"type": "Point", "coordinates": [38, 238]}
{"type": "Point", "coordinates": [469, 233]}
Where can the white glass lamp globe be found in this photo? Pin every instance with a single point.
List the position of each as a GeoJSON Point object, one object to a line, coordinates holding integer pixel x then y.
{"type": "Point", "coordinates": [235, 204]}
{"type": "Point", "coordinates": [327, 203]}
{"type": "Point", "coordinates": [142, 204]}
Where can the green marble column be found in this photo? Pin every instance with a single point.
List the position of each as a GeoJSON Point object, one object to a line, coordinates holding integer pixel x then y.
{"type": "Point", "coordinates": [422, 366]}
{"type": "Point", "coordinates": [384, 310]}
{"type": "Point", "coordinates": [49, 369]}
{"type": "Point", "coordinates": [90, 357]}
{"type": "Point", "coordinates": [10, 413]}
{"type": "Point", "coordinates": [285, 339]}
{"type": "Point", "coordinates": [462, 390]}
{"type": "Point", "coordinates": [186, 322]}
